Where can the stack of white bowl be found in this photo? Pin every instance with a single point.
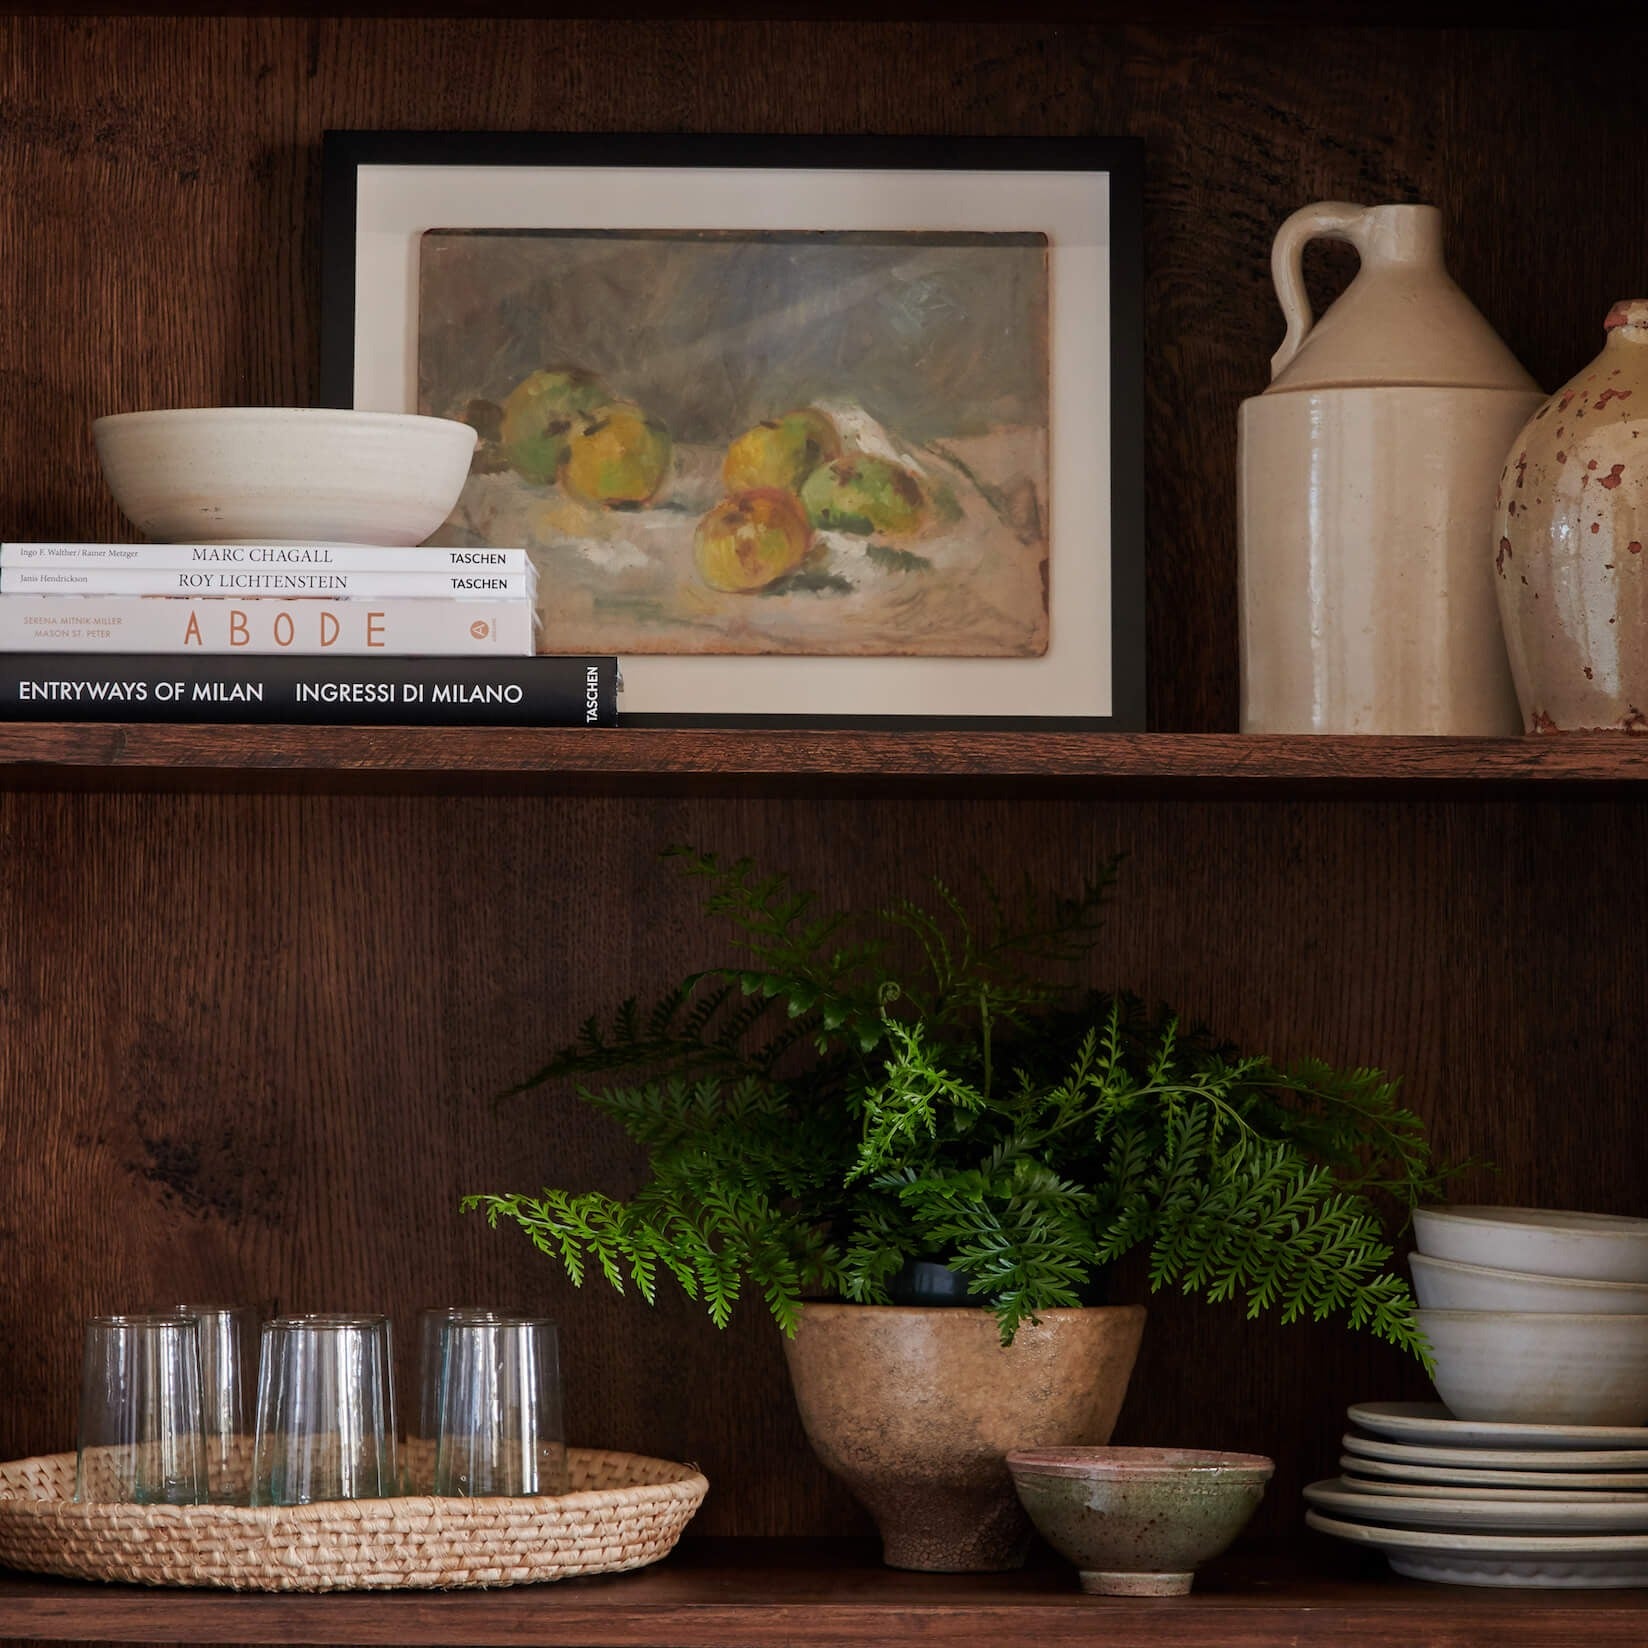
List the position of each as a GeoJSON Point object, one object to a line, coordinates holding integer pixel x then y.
{"type": "Point", "coordinates": [1535, 1316]}
{"type": "Point", "coordinates": [1535, 1471]}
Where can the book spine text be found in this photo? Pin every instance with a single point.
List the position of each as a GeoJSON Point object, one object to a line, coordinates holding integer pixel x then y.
{"type": "Point", "coordinates": [298, 557]}
{"type": "Point", "coordinates": [540, 692]}
{"type": "Point", "coordinates": [263, 624]}
{"type": "Point", "coordinates": [91, 580]}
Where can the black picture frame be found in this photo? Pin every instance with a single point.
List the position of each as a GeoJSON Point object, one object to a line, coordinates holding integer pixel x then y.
{"type": "Point", "coordinates": [1118, 159]}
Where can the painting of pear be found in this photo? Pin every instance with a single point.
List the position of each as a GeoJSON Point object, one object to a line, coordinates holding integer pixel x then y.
{"type": "Point", "coordinates": [751, 539]}
{"type": "Point", "coordinates": [864, 495]}
{"type": "Point", "coordinates": [538, 414]}
{"type": "Point", "coordinates": [617, 456]}
{"type": "Point", "coordinates": [781, 452]}
{"type": "Point", "coordinates": [755, 442]}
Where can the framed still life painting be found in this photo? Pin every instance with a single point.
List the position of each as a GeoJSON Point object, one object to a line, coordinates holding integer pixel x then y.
{"type": "Point", "coordinates": [807, 431]}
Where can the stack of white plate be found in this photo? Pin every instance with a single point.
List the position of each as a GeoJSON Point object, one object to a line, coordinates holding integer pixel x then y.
{"type": "Point", "coordinates": [1535, 1471]}
{"type": "Point", "coordinates": [1474, 1502]}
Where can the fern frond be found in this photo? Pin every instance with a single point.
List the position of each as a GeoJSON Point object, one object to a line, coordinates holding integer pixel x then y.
{"type": "Point", "coordinates": [848, 1091]}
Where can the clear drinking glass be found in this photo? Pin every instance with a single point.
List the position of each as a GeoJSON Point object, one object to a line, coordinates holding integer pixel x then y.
{"type": "Point", "coordinates": [140, 1439]}
{"type": "Point", "coordinates": [325, 1411]}
{"type": "Point", "coordinates": [420, 1403]}
{"type": "Point", "coordinates": [228, 1380]}
{"type": "Point", "coordinates": [498, 1409]}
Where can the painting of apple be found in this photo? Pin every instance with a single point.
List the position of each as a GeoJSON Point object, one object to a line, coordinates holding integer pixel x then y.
{"type": "Point", "coordinates": [864, 495]}
{"type": "Point", "coordinates": [756, 442]}
{"type": "Point", "coordinates": [617, 456]}
{"type": "Point", "coordinates": [781, 452]}
{"type": "Point", "coordinates": [750, 539]}
{"type": "Point", "coordinates": [538, 415]}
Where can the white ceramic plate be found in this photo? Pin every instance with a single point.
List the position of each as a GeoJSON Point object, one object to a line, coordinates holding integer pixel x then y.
{"type": "Point", "coordinates": [1431, 1422]}
{"type": "Point", "coordinates": [1573, 1562]}
{"type": "Point", "coordinates": [1457, 1476]}
{"type": "Point", "coordinates": [1526, 1496]}
{"type": "Point", "coordinates": [1499, 1459]}
{"type": "Point", "coordinates": [1582, 1516]}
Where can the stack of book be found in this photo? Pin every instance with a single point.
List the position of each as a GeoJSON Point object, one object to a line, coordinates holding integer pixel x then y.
{"type": "Point", "coordinates": [283, 632]}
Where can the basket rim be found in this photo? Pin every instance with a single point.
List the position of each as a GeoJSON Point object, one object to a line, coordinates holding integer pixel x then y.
{"type": "Point", "coordinates": [685, 1481]}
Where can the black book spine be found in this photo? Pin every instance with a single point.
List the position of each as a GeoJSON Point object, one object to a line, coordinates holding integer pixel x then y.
{"type": "Point", "coordinates": [378, 692]}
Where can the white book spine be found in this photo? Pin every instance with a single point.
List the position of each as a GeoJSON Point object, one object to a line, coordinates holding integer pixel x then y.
{"type": "Point", "coordinates": [95, 580]}
{"type": "Point", "coordinates": [301, 557]}
{"type": "Point", "coordinates": [307, 624]}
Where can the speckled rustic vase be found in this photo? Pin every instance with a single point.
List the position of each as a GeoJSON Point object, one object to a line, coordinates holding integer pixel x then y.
{"type": "Point", "coordinates": [1366, 493]}
{"type": "Point", "coordinates": [916, 1410]}
{"type": "Point", "coordinates": [1572, 574]}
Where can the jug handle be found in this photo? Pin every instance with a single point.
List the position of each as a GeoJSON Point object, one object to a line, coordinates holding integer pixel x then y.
{"type": "Point", "coordinates": [1326, 220]}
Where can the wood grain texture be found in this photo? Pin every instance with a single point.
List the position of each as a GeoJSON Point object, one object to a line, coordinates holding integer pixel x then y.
{"type": "Point", "coordinates": [699, 762]}
{"type": "Point", "coordinates": [986, 13]}
{"type": "Point", "coordinates": [163, 209]}
{"type": "Point", "coordinates": [250, 1040]}
{"type": "Point", "coordinates": [252, 1044]}
{"type": "Point", "coordinates": [753, 1594]}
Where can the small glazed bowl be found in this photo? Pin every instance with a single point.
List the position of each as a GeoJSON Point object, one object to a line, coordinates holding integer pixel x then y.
{"type": "Point", "coordinates": [1444, 1284]}
{"type": "Point", "coordinates": [1540, 1367]}
{"type": "Point", "coordinates": [1138, 1521]}
{"type": "Point", "coordinates": [1541, 1241]}
{"type": "Point", "coordinates": [278, 474]}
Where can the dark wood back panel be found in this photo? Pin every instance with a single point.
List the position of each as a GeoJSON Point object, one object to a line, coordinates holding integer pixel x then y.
{"type": "Point", "coordinates": [160, 214]}
{"type": "Point", "coordinates": [249, 1042]}
{"type": "Point", "coordinates": [252, 1043]}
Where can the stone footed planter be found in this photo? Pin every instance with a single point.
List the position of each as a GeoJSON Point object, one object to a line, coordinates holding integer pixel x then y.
{"type": "Point", "coordinates": [916, 1410]}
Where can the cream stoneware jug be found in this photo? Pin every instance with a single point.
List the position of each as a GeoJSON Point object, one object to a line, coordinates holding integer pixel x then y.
{"type": "Point", "coordinates": [1568, 544]}
{"type": "Point", "coordinates": [1366, 477]}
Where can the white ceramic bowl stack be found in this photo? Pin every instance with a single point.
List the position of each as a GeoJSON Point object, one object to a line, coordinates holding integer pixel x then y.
{"type": "Point", "coordinates": [1535, 1317]}
{"type": "Point", "coordinates": [1535, 1471]}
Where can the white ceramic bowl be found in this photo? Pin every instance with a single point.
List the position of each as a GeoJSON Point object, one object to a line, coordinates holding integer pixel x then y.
{"type": "Point", "coordinates": [1443, 1284]}
{"type": "Point", "coordinates": [1541, 1241]}
{"type": "Point", "coordinates": [272, 474]}
{"type": "Point", "coordinates": [1539, 1367]}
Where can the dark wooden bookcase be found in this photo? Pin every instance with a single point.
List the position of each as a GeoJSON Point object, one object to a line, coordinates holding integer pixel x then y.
{"type": "Point", "coordinates": [259, 986]}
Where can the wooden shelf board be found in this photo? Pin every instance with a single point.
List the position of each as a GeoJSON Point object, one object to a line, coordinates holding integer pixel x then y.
{"type": "Point", "coordinates": [816, 1594]}
{"type": "Point", "coordinates": [672, 760]}
{"type": "Point", "coordinates": [1171, 13]}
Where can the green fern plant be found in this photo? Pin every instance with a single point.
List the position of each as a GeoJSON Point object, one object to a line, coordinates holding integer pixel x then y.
{"type": "Point", "coordinates": [852, 1092]}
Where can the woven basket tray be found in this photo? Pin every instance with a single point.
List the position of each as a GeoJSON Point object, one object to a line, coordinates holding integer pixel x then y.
{"type": "Point", "coordinates": [624, 1511]}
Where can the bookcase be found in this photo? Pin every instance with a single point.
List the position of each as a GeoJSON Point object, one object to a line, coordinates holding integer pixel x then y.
{"type": "Point", "coordinates": [260, 986]}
